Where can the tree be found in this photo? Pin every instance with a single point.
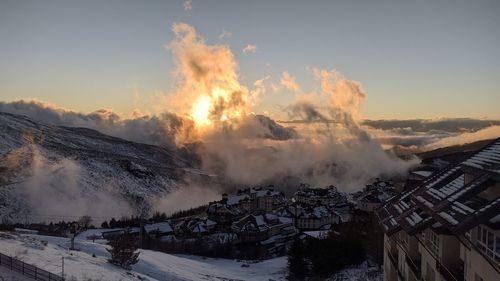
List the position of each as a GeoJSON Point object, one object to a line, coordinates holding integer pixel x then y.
{"type": "Point", "coordinates": [104, 224]}
{"type": "Point", "coordinates": [85, 221]}
{"type": "Point", "coordinates": [297, 263]}
{"type": "Point", "coordinates": [123, 250]}
{"type": "Point", "coordinates": [112, 223]}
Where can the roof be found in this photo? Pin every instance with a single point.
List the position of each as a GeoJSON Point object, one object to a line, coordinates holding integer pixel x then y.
{"type": "Point", "coordinates": [162, 227]}
{"type": "Point", "coordinates": [487, 159]}
{"type": "Point", "coordinates": [453, 197]}
{"type": "Point", "coordinates": [424, 174]}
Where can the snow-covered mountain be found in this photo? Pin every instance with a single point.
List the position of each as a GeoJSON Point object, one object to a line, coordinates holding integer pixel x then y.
{"type": "Point", "coordinates": [82, 169]}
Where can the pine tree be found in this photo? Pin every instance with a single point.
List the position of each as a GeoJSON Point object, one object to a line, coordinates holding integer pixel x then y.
{"type": "Point", "coordinates": [123, 250]}
{"type": "Point", "coordinates": [112, 223]}
{"type": "Point", "coordinates": [297, 263]}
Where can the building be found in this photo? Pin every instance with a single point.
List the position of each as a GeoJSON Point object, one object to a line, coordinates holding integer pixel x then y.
{"type": "Point", "coordinates": [255, 228]}
{"type": "Point", "coordinates": [447, 228]}
{"type": "Point", "coordinates": [374, 195]}
{"type": "Point", "coordinates": [308, 217]}
{"type": "Point", "coordinates": [244, 202]}
{"type": "Point", "coordinates": [323, 196]}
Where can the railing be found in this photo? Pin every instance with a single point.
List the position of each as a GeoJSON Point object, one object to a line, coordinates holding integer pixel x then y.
{"type": "Point", "coordinates": [415, 266]}
{"type": "Point", "coordinates": [28, 269]}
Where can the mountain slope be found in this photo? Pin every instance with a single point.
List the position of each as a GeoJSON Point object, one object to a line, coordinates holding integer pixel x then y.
{"type": "Point", "coordinates": [43, 166]}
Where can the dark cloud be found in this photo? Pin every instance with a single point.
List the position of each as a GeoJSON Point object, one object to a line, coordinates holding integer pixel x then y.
{"type": "Point", "coordinates": [452, 125]}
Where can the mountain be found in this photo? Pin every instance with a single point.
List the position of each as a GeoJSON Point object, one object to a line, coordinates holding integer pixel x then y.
{"type": "Point", "coordinates": [79, 165]}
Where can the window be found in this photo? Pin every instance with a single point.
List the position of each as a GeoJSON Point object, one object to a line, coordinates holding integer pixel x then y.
{"type": "Point", "coordinates": [433, 241]}
{"type": "Point", "coordinates": [488, 243]}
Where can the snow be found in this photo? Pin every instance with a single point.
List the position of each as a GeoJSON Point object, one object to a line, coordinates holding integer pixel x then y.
{"type": "Point", "coordinates": [485, 159]}
{"type": "Point", "coordinates": [424, 174]}
{"type": "Point", "coordinates": [320, 234]}
{"type": "Point", "coordinates": [87, 234]}
{"type": "Point", "coordinates": [495, 219]}
{"type": "Point", "coordinates": [151, 266]}
{"type": "Point", "coordinates": [448, 217]}
{"type": "Point", "coordinates": [356, 273]}
{"type": "Point", "coordinates": [425, 202]}
{"type": "Point", "coordinates": [162, 227]}
{"type": "Point", "coordinates": [236, 199]}
{"type": "Point", "coordinates": [8, 275]}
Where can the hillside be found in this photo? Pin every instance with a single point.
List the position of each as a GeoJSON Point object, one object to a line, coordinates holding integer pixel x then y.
{"type": "Point", "coordinates": [76, 165]}
{"type": "Point", "coordinates": [90, 262]}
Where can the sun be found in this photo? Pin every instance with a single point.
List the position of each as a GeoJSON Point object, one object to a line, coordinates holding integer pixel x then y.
{"type": "Point", "coordinates": [200, 111]}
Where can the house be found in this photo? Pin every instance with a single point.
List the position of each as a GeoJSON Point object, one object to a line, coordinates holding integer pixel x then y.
{"type": "Point", "coordinates": [158, 229]}
{"type": "Point", "coordinates": [194, 227]}
{"type": "Point", "coordinates": [323, 196]}
{"type": "Point", "coordinates": [116, 232]}
{"type": "Point", "coordinates": [374, 195]}
{"type": "Point", "coordinates": [254, 228]}
{"type": "Point", "coordinates": [223, 213]}
{"type": "Point", "coordinates": [308, 217]}
{"type": "Point", "coordinates": [447, 228]}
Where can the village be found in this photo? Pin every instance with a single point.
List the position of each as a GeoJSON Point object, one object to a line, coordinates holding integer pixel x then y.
{"type": "Point", "coordinates": [259, 223]}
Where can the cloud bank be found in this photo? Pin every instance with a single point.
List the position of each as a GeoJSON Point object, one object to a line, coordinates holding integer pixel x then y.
{"type": "Point", "coordinates": [328, 141]}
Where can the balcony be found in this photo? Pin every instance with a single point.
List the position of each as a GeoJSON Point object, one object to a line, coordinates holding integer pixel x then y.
{"type": "Point", "coordinates": [415, 267]}
{"type": "Point", "coordinates": [452, 272]}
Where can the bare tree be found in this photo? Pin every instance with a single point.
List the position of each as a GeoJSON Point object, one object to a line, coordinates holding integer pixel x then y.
{"type": "Point", "coordinates": [85, 222]}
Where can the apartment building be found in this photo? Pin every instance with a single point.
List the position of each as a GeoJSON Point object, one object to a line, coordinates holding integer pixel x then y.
{"type": "Point", "coordinates": [447, 228]}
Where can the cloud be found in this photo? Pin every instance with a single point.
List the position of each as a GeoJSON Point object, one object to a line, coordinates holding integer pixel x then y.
{"type": "Point", "coordinates": [188, 5]}
{"type": "Point", "coordinates": [250, 48]}
{"type": "Point", "coordinates": [56, 187]}
{"type": "Point", "coordinates": [425, 134]}
{"type": "Point", "coordinates": [467, 137]}
{"type": "Point", "coordinates": [165, 129]}
{"type": "Point", "coordinates": [185, 197]}
{"type": "Point", "coordinates": [214, 118]}
{"type": "Point", "coordinates": [289, 82]}
{"type": "Point", "coordinates": [454, 125]}
{"type": "Point", "coordinates": [225, 34]}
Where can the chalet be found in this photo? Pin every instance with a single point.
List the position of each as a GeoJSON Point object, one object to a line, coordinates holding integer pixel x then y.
{"type": "Point", "coordinates": [194, 227]}
{"type": "Point", "coordinates": [374, 195]}
{"type": "Point", "coordinates": [223, 213]}
{"type": "Point", "coordinates": [244, 202]}
{"type": "Point", "coordinates": [447, 228]}
{"type": "Point", "coordinates": [116, 232]}
{"type": "Point", "coordinates": [323, 196]}
{"type": "Point", "coordinates": [313, 218]}
{"type": "Point", "coordinates": [255, 228]}
{"type": "Point", "coordinates": [158, 229]}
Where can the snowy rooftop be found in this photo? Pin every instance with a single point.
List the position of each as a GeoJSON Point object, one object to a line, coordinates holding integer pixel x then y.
{"type": "Point", "coordinates": [487, 159]}
{"type": "Point", "coordinates": [162, 227]}
{"type": "Point", "coordinates": [447, 198]}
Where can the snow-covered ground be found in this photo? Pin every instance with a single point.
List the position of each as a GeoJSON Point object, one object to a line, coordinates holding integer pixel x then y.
{"type": "Point", "coordinates": [90, 262]}
{"type": "Point", "coordinates": [9, 275]}
{"type": "Point", "coordinates": [362, 272]}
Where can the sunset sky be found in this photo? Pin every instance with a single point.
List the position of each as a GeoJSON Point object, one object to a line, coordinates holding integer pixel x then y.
{"type": "Point", "coordinates": [424, 59]}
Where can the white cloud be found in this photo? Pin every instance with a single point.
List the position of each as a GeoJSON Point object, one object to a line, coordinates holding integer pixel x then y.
{"type": "Point", "coordinates": [225, 34]}
{"type": "Point", "coordinates": [250, 48]}
{"type": "Point", "coordinates": [188, 5]}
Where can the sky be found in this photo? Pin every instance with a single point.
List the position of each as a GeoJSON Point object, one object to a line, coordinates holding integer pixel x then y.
{"type": "Point", "coordinates": [419, 59]}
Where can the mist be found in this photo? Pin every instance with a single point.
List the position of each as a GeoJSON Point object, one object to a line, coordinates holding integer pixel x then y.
{"type": "Point", "coordinates": [55, 190]}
